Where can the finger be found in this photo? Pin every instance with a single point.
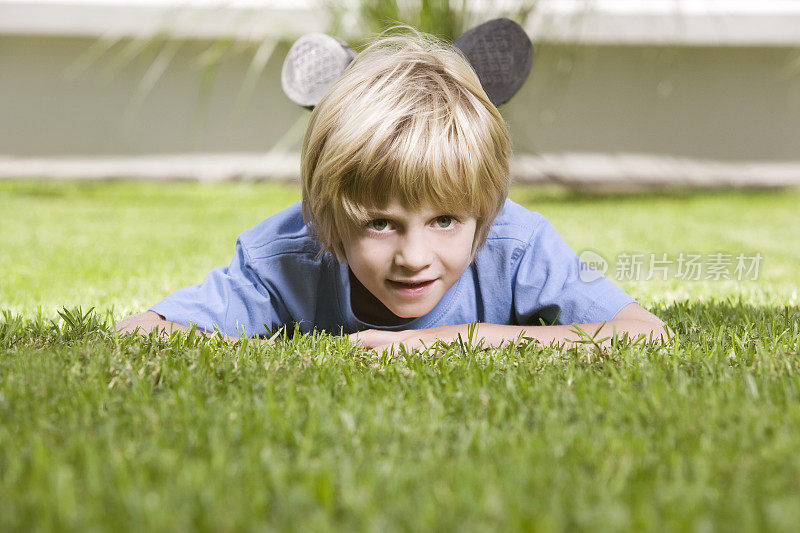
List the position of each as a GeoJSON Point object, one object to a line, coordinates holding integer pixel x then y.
{"type": "Point", "coordinates": [368, 338]}
{"type": "Point", "coordinates": [373, 338]}
{"type": "Point", "coordinates": [390, 350]}
{"type": "Point", "coordinates": [365, 339]}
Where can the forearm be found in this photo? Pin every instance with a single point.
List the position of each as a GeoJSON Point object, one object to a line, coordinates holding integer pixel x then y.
{"type": "Point", "coordinates": [632, 320]}
{"type": "Point", "coordinates": [496, 335]}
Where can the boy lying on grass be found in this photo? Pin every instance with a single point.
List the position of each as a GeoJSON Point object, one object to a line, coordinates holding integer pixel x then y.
{"type": "Point", "coordinates": [404, 234]}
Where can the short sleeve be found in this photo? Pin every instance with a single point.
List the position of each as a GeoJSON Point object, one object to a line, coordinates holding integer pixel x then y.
{"type": "Point", "coordinates": [233, 298]}
{"type": "Point", "coordinates": [548, 286]}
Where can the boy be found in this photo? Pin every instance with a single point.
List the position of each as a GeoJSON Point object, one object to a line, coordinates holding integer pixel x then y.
{"type": "Point", "coordinates": [404, 234]}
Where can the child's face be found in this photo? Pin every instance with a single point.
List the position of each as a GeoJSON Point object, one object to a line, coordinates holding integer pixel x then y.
{"type": "Point", "coordinates": [409, 259]}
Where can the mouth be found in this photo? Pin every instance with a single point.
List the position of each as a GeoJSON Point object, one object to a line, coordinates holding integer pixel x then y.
{"type": "Point", "coordinates": [411, 288]}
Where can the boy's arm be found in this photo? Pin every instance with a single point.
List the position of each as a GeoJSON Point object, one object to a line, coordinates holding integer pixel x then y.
{"type": "Point", "coordinates": [144, 323]}
{"type": "Point", "coordinates": [633, 319]}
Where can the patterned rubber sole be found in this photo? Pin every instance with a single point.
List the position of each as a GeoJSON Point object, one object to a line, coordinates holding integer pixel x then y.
{"type": "Point", "coordinates": [501, 54]}
{"type": "Point", "coordinates": [313, 64]}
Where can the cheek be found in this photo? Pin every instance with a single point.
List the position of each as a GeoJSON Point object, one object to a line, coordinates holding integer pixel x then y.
{"type": "Point", "coordinates": [363, 255]}
{"type": "Point", "coordinates": [458, 252]}
{"type": "Point", "coordinates": [468, 240]}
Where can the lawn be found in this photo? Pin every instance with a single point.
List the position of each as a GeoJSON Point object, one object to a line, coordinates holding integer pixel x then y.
{"type": "Point", "coordinates": [105, 432]}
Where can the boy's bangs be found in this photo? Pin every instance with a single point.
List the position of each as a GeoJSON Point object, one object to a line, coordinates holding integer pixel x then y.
{"type": "Point", "coordinates": [365, 197]}
{"type": "Point", "coordinates": [417, 170]}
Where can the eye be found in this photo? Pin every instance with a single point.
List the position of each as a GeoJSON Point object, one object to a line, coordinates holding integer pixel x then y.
{"type": "Point", "coordinates": [379, 224]}
{"type": "Point", "coordinates": [445, 221]}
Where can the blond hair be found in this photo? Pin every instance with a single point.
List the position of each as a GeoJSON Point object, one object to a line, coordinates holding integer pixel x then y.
{"type": "Point", "coordinates": [407, 121]}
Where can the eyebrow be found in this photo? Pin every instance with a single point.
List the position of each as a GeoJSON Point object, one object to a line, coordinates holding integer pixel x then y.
{"type": "Point", "coordinates": [378, 213]}
{"type": "Point", "coordinates": [372, 215]}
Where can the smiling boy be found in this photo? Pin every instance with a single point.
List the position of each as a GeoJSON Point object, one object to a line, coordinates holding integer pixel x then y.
{"type": "Point", "coordinates": [404, 234]}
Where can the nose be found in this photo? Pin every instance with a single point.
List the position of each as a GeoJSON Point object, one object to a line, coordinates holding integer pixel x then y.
{"type": "Point", "coordinates": [413, 252]}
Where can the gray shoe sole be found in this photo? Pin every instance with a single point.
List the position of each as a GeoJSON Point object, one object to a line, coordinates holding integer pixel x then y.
{"type": "Point", "coordinates": [501, 54]}
{"type": "Point", "coordinates": [499, 51]}
{"type": "Point", "coordinates": [314, 63]}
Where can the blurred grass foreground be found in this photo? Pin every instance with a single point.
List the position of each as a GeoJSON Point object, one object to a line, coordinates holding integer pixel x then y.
{"type": "Point", "coordinates": [101, 432]}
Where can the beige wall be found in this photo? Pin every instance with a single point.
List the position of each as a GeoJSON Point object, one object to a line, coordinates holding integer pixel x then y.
{"type": "Point", "coordinates": [582, 108]}
{"type": "Point", "coordinates": [699, 102]}
{"type": "Point", "coordinates": [47, 110]}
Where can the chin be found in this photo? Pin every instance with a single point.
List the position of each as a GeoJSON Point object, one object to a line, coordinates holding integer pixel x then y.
{"type": "Point", "coordinates": [415, 311]}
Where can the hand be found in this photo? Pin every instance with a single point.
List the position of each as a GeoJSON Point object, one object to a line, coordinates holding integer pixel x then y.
{"type": "Point", "coordinates": [390, 341]}
{"type": "Point", "coordinates": [141, 323]}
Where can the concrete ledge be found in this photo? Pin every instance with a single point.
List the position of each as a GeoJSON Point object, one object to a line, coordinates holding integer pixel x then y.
{"type": "Point", "coordinates": [683, 22]}
{"type": "Point", "coordinates": [572, 169]}
{"type": "Point", "coordinates": [668, 22]}
{"type": "Point", "coordinates": [200, 167]}
{"type": "Point", "coordinates": [643, 170]}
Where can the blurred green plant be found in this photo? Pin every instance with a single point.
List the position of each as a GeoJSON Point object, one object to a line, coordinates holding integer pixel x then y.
{"type": "Point", "coordinates": [446, 19]}
{"type": "Point", "coordinates": [442, 18]}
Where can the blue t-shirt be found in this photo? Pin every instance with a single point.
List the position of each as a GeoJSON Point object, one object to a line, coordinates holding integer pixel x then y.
{"type": "Point", "coordinates": [525, 274]}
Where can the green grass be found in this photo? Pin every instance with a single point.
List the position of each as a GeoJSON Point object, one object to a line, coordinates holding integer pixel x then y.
{"type": "Point", "coordinates": [103, 432]}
